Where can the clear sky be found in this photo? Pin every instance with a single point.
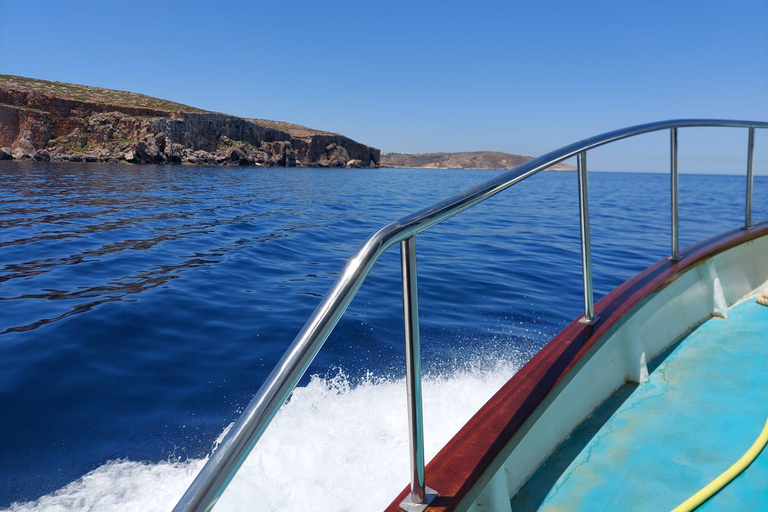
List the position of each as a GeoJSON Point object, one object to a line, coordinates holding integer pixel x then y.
{"type": "Point", "coordinates": [518, 76]}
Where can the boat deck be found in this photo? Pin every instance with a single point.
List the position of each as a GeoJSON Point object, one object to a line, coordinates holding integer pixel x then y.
{"type": "Point", "coordinates": [651, 446]}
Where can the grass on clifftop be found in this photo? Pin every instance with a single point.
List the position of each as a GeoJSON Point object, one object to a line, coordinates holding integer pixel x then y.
{"type": "Point", "coordinates": [132, 99]}
{"type": "Point", "coordinates": [92, 94]}
{"type": "Point", "coordinates": [295, 130]}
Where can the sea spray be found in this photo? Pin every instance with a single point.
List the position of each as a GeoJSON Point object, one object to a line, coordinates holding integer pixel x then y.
{"type": "Point", "coordinates": [333, 445]}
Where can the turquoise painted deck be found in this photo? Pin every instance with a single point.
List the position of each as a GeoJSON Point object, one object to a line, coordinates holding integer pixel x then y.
{"type": "Point", "coordinates": [652, 446]}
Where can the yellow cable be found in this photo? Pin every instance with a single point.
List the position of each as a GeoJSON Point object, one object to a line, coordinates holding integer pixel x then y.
{"type": "Point", "coordinates": [718, 483]}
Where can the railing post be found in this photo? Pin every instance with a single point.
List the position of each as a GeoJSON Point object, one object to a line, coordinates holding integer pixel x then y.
{"type": "Point", "coordinates": [674, 194]}
{"type": "Point", "coordinates": [750, 168]}
{"type": "Point", "coordinates": [420, 495]}
{"type": "Point", "coordinates": [586, 243]}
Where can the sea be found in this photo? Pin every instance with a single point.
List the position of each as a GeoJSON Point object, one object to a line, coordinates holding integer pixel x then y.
{"type": "Point", "coordinates": [141, 307]}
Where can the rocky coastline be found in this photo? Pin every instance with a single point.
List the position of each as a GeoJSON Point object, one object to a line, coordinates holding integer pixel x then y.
{"type": "Point", "coordinates": [51, 121]}
{"type": "Point", "coordinates": [463, 160]}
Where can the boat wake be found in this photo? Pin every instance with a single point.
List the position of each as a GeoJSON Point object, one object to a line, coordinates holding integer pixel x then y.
{"type": "Point", "coordinates": [334, 445]}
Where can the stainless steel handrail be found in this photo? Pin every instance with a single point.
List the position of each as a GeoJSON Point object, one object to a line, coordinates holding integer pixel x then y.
{"type": "Point", "coordinates": [750, 170]}
{"type": "Point", "coordinates": [674, 195]}
{"type": "Point", "coordinates": [242, 437]}
{"type": "Point", "coordinates": [586, 241]}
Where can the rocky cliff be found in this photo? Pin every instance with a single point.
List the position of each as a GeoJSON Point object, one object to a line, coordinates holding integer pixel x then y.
{"type": "Point", "coordinates": [54, 121]}
{"type": "Point", "coordinates": [467, 160]}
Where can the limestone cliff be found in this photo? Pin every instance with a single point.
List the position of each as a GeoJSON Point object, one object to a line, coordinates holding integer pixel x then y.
{"type": "Point", "coordinates": [54, 121]}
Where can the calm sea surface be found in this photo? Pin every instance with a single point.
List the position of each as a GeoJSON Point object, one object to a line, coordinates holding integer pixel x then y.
{"type": "Point", "coordinates": [142, 307]}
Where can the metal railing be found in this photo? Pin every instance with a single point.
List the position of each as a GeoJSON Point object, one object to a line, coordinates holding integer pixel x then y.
{"type": "Point", "coordinates": [242, 437]}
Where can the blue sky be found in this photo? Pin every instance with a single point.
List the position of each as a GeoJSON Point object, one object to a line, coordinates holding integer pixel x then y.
{"type": "Point", "coordinates": [522, 77]}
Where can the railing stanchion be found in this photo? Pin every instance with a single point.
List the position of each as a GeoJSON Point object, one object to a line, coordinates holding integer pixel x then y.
{"type": "Point", "coordinates": [420, 495]}
{"type": "Point", "coordinates": [674, 194]}
{"type": "Point", "coordinates": [586, 243]}
{"type": "Point", "coordinates": [750, 169]}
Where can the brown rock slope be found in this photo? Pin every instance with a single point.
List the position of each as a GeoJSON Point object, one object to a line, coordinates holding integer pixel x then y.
{"type": "Point", "coordinates": [54, 121]}
{"type": "Point", "coordinates": [467, 160]}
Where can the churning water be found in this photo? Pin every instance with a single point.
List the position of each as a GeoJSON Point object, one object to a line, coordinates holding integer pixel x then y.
{"type": "Point", "coordinates": [142, 307]}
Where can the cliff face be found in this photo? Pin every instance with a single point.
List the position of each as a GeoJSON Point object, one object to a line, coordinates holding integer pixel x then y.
{"type": "Point", "coordinates": [467, 160]}
{"type": "Point", "coordinates": [52, 121]}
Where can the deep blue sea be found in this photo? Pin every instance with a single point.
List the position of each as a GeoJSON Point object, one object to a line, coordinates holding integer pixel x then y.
{"type": "Point", "coordinates": [141, 307]}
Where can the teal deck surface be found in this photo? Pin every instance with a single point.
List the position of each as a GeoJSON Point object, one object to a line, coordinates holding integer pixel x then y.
{"type": "Point", "coordinates": [650, 447]}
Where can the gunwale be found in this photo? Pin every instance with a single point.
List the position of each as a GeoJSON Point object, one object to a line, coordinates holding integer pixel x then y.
{"type": "Point", "coordinates": [466, 459]}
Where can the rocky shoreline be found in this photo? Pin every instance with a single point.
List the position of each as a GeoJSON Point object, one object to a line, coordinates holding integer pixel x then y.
{"type": "Point", "coordinates": [49, 121]}
{"type": "Point", "coordinates": [463, 160]}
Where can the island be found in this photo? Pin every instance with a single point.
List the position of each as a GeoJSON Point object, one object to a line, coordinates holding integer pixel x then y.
{"type": "Point", "coordinates": [43, 120]}
{"type": "Point", "coordinates": [464, 160]}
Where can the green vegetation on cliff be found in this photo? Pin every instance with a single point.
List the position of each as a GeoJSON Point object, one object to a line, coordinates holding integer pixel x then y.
{"type": "Point", "coordinates": [45, 120]}
{"type": "Point", "coordinates": [92, 94]}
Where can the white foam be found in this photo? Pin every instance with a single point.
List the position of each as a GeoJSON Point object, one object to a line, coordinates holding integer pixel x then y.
{"type": "Point", "coordinates": [332, 447]}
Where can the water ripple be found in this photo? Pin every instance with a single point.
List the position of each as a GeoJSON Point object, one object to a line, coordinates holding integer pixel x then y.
{"type": "Point", "coordinates": [141, 307]}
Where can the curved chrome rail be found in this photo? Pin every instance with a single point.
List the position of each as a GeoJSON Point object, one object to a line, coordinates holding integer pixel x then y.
{"type": "Point", "coordinates": [242, 437]}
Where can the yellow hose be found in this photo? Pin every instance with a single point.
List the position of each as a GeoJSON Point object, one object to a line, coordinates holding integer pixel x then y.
{"type": "Point", "coordinates": [718, 483]}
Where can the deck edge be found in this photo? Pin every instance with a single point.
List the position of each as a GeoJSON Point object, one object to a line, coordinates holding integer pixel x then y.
{"type": "Point", "coordinates": [465, 460]}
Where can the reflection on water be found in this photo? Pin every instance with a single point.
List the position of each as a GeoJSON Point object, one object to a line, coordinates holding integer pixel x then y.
{"type": "Point", "coordinates": [141, 307]}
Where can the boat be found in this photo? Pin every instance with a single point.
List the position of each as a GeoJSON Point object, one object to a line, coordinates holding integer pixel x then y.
{"type": "Point", "coordinates": [597, 380]}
